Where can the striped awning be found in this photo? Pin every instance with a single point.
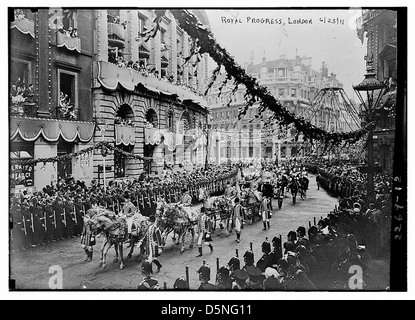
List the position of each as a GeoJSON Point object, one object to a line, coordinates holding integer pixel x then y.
{"type": "Point", "coordinates": [24, 26]}
{"type": "Point", "coordinates": [71, 43]}
{"type": "Point", "coordinates": [30, 129]}
{"type": "Point", "coordinates": [124, 135]}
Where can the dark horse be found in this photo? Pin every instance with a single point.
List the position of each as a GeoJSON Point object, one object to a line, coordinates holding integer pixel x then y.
{"type": "Point", "coordinates": [294, 186]}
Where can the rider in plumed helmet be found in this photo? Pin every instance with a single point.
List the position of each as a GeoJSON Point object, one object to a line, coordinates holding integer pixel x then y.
{"type": "Point", "coordinates": [148, 282]}
{"type": "Point", "coordinates": [265, 261]}
{"type": "Point", "coordinates": [204, 277]}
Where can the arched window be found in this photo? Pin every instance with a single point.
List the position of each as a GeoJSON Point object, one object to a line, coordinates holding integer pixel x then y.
{"type": "Point", "coordinates": [125, 115]}
{"type": "Point", "coordinates": [151, 118]}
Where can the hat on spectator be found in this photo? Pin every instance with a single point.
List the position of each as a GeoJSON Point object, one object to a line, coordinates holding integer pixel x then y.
{"type": "Point", "coordinates": [240, 274]}
{"type": "Point", "coordinates": [253, 271]}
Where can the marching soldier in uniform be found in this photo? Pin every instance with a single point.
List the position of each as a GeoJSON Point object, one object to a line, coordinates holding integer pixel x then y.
{"type": "Point", "coordinates": [153, 237]}
{"type": "Point", "coordinates": [87, 237]}
{"type": "Point", "coordinates": [39, 222]}
{"type": "Point", "coordinates": [238, 217]}
{"type": "Point", "coordinates": [204, 234]}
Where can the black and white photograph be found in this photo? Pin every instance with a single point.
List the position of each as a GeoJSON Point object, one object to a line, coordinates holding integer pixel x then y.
{"type": "Point", "coordinates": [207, 148]}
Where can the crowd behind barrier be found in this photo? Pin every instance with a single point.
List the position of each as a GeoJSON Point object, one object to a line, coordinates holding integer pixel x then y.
{"type": "Point", "coordinates": [56, 212]}
{"type": "Point", "coordinates": [315, 259]}
{"type": "Point", "coordinates": [319, 258]}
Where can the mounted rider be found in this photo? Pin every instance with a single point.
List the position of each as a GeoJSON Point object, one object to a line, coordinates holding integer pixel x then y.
{"type": "Point", "coordinates": [230, 191]}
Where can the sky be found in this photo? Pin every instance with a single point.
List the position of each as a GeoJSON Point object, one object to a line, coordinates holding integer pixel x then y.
{"type": "Point", "coordinates": [336, 44]}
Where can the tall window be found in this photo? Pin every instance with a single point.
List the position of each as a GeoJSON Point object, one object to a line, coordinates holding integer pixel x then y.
{"type": "Point", "coordinates": [119, 161]}
{"type": "Point", "coordinates": [67, 107]}
{"type": "Point", "coordinates": [142, 20]}
{"type": "Point", "coordinates": [69, 19]}
{"type": "Point", "coordinates": [293, 93]}
{"type": "Point", "coordinates": [281, 92]}
{"type": "Point", "coordinates": [20, 69]}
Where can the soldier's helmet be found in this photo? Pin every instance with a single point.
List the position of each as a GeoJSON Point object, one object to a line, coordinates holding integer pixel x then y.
{"type": "Point", "coordinates": [204, 273]}
{"type": "Point", "coordinates": [266, 247]}
{"type": "Point", "coordinates": [249, 257]}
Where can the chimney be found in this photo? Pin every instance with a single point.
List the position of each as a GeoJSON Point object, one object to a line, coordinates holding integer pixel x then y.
{"type": "Point", "coordinates": [324, 70]}
{"type": "Point", "coordinates": [264, 59]}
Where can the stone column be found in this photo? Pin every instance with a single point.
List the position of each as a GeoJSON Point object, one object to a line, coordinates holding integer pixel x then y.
{"type": "Point", "coordinates": [102, 36]}
{"type": "Point", "coordinates": [132, 31]}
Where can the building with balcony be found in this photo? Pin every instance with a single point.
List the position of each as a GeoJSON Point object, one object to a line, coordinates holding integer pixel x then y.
{"type": "Point", "coordinates": [50, 106]}
{"type": "Point", "coordinates": [147, 101]}
{"type": "Point", "coordinates": [78, 77]}
{"type": "Point", "coordinates": [296, 85]}
{"type": "Point", "coordinates": [380, 29]}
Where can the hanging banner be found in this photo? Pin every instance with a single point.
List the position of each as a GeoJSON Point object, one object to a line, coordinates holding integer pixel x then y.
{"type": "Point", "coordinates": [21, 174]}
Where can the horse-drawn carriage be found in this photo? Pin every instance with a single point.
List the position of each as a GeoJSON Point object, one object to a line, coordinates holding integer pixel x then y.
{"type": "Point", "coordinates": [250, 200]}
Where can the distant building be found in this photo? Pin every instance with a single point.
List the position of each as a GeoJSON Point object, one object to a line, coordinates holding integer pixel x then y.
{"type": "Point", "coordinates": [295, 84]}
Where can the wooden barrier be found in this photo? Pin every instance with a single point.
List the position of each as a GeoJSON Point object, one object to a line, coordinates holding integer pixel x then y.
{"type": "Point", "coordinates": [187, 278]}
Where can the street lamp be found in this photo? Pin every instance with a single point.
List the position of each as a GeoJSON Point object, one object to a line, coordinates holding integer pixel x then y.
{"type": "Point", "coordinates": [374, 91]}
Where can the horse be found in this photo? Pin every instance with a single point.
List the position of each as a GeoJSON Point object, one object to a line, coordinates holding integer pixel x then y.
{"type": "Point", "coordinates": [173, 218]}
{"type": "Point", "coordinates": [303, 182]}
{"type": "Point", "coordinates": [294, 186]}
{"type": "Point", "coordinates": [140, 225]}
{"type": "Point", "coordinates": [214, 205]}
{"type": "Point", "coordinates": [116, 233]}
{"type": "Point", "coordinates": [250, 202]}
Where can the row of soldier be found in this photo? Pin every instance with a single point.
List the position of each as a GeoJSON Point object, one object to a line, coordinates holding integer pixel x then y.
{"type": "Point", "coordinates": [57, 212]}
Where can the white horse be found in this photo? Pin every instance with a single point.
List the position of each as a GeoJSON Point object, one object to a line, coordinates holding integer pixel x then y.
{"type": "Point", "coordinates": [174, 218]}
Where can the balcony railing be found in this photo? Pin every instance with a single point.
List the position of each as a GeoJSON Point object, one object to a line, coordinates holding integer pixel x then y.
{"type": "Point", "coordinates": [28, 109]}
{"type": "Point", "coordinates": [117, 30]}
{"type": "Point", "coordinates": [24, 25]}
{"type": "Point", "coordinates": [70, 42]}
